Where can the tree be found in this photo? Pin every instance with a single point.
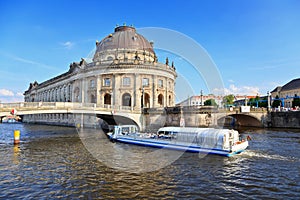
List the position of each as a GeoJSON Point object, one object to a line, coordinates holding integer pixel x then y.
{"type": "Point", "coordinates": [228, 100]}
{"type": "Point", "coordinates": [296, 101]}
{"type": "Point", "coordinates": [252, 102]}
{"type": "Point", "coordinates": [210, 102]}
{"type": "Point", "coordinates": [276, 102]}
{"type": "Point", "coordinates": [263, 103]}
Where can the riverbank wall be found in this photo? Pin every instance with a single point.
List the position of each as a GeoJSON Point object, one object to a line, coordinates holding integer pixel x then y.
{"type": "Point", "coordinates": [285, 119]}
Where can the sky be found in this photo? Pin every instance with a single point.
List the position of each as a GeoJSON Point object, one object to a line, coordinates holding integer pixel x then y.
{"type": "Point", "coordinates": [254, 44]}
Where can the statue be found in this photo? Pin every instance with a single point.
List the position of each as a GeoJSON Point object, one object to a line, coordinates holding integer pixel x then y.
{"type": "Point", "coordinates": [167, 61]}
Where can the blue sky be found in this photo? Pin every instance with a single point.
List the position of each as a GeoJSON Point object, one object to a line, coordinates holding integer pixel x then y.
{"type": "Point", "coordinates": [254, 44]}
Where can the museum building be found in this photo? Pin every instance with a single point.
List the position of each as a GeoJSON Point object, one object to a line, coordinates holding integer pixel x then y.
{"type": "Point", "coordinates": [123, 74]}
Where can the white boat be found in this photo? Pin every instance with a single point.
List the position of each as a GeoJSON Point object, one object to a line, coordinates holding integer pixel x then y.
{"type": "Point", "coordinates": [223, 142]}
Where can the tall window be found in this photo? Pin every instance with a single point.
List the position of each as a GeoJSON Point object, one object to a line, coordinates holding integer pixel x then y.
{"type": "Point", "coordinates": [126, 100]}
{"type": "Point", "coordinates": [107, 82]}
{"type": "Point", "coordinates": [160, 100]}
{"type": "Point", "coordinates": [145, 81]}
{"type": "Point", "coordinates": [92, 83]}
{"type": "Point", "coordinates": [160, 83]}
{"type": "Point", "coordinates": [93, 98]}
{"type": "Point", "coordinates": [126, 81]}
{"type": "Point", "coordinates": [107, 99]}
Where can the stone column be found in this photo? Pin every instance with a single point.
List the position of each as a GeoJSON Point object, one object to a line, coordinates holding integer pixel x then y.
{"type": "Point", "coordinates": [154, 91]}
{"type": "Point", "coordinates": [137, 88]}
{"type": "Point", "coordinates": [83, 91]}
{"type": "Point", "coordinates": [114, 102]}
{"type": "Point", "coordinates": [99, 99]}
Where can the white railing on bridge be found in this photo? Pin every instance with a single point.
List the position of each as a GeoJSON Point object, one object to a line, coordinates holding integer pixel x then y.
{"type": "Point", "coordinates": [64, 105]}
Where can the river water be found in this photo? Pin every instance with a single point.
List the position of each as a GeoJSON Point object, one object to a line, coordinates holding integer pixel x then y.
{"type": "Point", "coordinates": [63, 162]}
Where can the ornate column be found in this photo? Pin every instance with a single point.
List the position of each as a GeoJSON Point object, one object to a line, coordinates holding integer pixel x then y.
{"type": "Point", "coordinates": [154, 91]}
{"type": "Point", "coordinates": [137, 91]}
{"type": "Point", "coordinates": [99, 95]}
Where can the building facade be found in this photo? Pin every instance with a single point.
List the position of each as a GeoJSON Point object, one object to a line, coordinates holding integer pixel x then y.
{"type": "Point", "coordinates": [287, 93]}
{"type": "Point", "coordinates": [124, 74]}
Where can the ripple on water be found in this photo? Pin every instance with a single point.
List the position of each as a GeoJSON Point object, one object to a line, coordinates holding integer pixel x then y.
{"type": "Point", "coordinates": [53, 163]}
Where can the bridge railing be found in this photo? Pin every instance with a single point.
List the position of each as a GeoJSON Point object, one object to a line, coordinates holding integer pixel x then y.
{"type": "Point", "coordinates": [61, 105]}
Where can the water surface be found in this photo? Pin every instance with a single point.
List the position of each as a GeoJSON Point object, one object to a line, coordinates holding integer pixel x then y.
{"type": "Point", "coordinates": [53, 162]}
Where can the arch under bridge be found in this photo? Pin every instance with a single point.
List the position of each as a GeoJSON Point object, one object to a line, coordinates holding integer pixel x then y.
{"type": "Point", "coordinates": [111, 115]}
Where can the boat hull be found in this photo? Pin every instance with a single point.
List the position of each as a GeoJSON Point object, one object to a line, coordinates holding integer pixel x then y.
{"type": "Point", "coordinates": [238, 148]}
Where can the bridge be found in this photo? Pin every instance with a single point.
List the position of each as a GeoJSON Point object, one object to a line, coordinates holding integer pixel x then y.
{"type": "Point", "coordinates": [112, 115]}
{"type": "Point", "coordinates": [71, 113]}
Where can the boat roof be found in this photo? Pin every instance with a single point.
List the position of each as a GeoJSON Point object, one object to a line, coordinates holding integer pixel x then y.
{"type": "Point", "coordinates": [195, 129]}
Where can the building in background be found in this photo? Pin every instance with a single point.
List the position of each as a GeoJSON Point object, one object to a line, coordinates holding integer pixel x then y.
{"type": "Point", "coordinates": [198, 100]}
{"type": "Point", "coordinates": [287, 93]}
{"type": "Point", "coordinates": [124, 73]}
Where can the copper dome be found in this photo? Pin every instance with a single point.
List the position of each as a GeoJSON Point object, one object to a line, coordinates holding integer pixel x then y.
{"type": "Point", "coordinates": [124, 37]}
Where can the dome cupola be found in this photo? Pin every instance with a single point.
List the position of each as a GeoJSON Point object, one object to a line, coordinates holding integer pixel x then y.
{"type": "Point", "coordinates": [124, 44]}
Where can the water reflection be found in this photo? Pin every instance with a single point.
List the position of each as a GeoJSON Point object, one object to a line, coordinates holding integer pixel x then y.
{"type": "Point", "coordinates": [52, 162]}
{"type": "Point", "coordinates": [124, 157]}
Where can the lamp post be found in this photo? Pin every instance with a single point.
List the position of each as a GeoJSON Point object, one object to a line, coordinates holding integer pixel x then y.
{"type": "Point", "coordinates": [269, 102]}
{"type": "Point", "coordinates": [201, 93]}
{"type": "Point", "coordinates": [142, 99]}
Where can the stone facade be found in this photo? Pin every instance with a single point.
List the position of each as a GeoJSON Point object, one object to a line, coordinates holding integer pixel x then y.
{"type": "Point", "coordinates": [124, 74]}
{"type": "Point", "coordinates": [287, 92]}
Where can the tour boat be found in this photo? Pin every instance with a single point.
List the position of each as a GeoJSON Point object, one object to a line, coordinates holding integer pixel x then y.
{"type": "Point", "coordinates": [225, 142]}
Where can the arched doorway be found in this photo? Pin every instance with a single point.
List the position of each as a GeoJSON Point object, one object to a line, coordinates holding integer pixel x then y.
{"type": "Point", "coordinates": [146, 101]}
{"type": "Point", "coordinates": [160, 100]}
{"type": "Point", "coordinates": [126, 99]}
{"type": "Point", "coordinates": [107, 99]}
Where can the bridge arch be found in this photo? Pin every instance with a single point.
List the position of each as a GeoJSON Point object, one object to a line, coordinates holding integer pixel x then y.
{"type": "Point", "coordinates": [239, 120]}
{"type": "Point", "coordinates": [111, 120]}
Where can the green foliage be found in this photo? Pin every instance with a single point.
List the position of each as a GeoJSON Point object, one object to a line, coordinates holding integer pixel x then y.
{"type": "Point", "coordinates": [296, 101]}
{"type": "Point", "coordinates": [228, 100]}
{"type": "Point", "coordinates": [276, 102]}
{"type": "Point", "coordinates": [264, 103]}
{"type": "Point", "coordinates": [210, 102]}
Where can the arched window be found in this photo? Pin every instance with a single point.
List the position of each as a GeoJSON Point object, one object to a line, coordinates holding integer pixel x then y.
{"type": "Point", "coordinates": [107, 99]}
{"type": "Point", "coordinates": [170, 100]}
{"type": "Point", "coordinates": [146, 100]}
{"type": "Point", "coordinates": [110, 58]}
{"type": "Point", "coordinates": [160, 100]}
{"type": "Point", "coordinates": [76, 93]}
{"type": "Point", "coordinates": [126, 99]}
{"type": "Point", "coordinates": [93, 98]}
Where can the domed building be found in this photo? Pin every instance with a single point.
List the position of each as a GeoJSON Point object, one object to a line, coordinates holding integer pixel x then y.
{"type": "Point", "coordinates": [124, 75]}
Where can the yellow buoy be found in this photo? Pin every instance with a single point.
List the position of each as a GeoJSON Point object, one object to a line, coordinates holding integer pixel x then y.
{"type": "Point", "coordinates": [16, 136]}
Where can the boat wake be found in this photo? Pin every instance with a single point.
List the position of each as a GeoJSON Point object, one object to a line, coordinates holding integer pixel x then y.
{"type": "Point", "coordinates": [251, 154]}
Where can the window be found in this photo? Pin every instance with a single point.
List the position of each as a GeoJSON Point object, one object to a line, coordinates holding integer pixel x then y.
{"type": "Point", "coordinates": [160, 83]}
{"type": "Point", "coordinates": [107, 99]}
{"type": "Point", "coordinates": [145, 81]}
{"type": "Point", "coordinates": [160, 100]}
{"type": "Point", "coordinates": [126, 100]}
{"type": "Point", "coordinates": [109, 58]}
{"type": "Point", "coordinates": [92, 83]}
{"type": "Point", "coordinates": [126, 81]}
{"type": "Point", "coordinates": [107, 82]}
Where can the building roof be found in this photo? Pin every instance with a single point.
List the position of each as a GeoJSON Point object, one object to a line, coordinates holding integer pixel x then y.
{"type": "Point", "coordinates": [124, 37]}
{"type": "Point", "coordinates": [277, 89]}
{"type": "Point", "coordinates": [293, 84]}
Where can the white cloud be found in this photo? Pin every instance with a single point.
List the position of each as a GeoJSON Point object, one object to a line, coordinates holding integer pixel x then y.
{"type": "Point", "coordinates": [67, 45]}
{"type": "Point", "coordinates": [6, 93]}
{"type": "Point", "coordinates": [20, 94]}
{"type": "Point", "coordinates": [237, 90]}
{"type": "Point", "coordinates": [8, 96]}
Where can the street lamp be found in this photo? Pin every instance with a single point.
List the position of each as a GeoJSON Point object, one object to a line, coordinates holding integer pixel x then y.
{"type": "Point", "coordinates": [269, 103]}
